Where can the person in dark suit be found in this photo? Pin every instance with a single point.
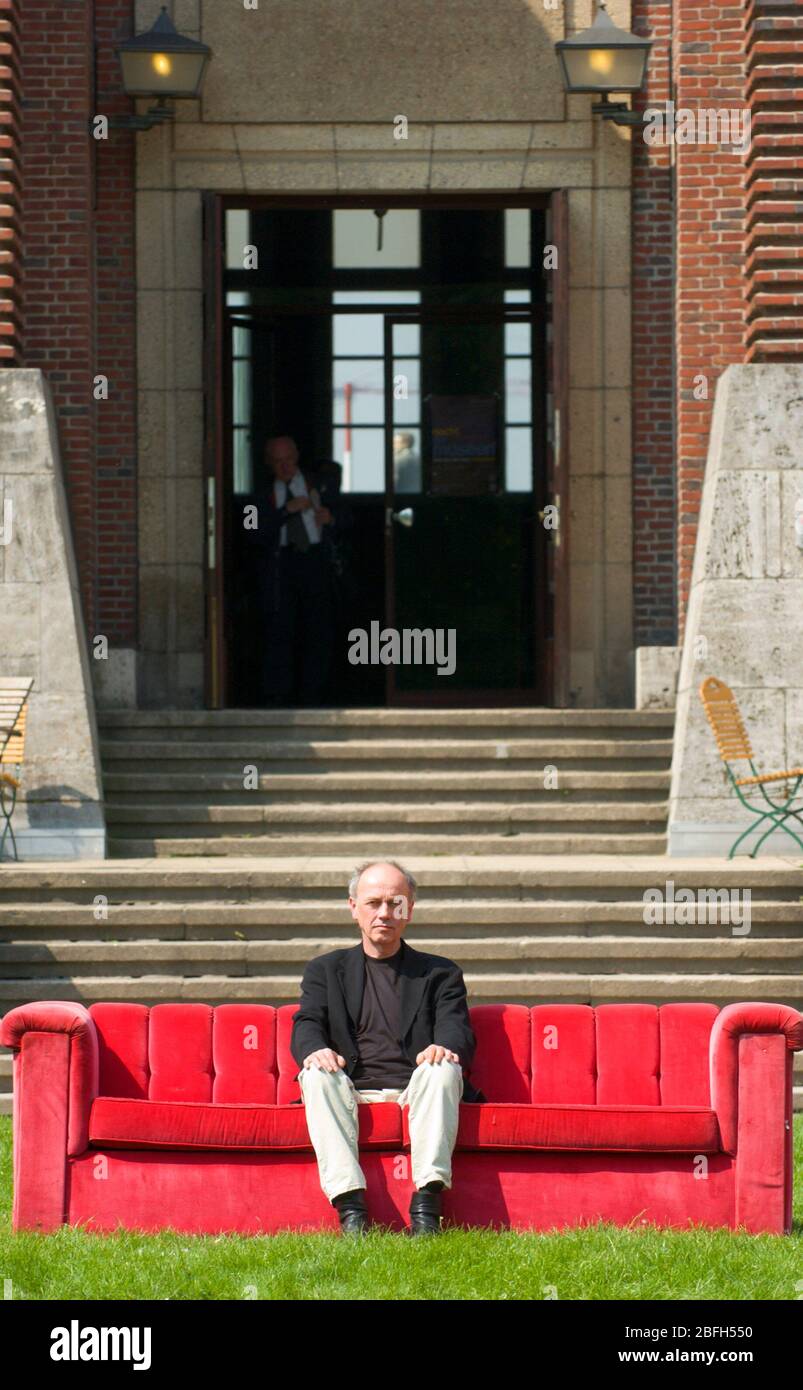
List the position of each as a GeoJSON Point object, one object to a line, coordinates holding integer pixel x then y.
{"type": "Point", "coordinates": [292, 563]}
{"type": "Point", "coordinates": [377, 1022]}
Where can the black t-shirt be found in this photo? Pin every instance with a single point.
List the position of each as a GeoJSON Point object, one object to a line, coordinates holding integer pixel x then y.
{"type": "Point", "coordinates": [382, 1062]}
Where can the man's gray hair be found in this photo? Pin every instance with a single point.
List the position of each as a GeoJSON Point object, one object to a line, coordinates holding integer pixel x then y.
{"type": "Point", "coordinates": [354, 881]}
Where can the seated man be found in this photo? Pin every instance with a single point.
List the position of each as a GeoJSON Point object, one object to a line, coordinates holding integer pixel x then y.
{"type": "Point", "coordinates": [382, 1022]}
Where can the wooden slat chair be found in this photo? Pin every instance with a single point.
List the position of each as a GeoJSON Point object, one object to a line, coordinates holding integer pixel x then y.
{"type": "Point", "coordinates": [734, 746]}
{"type": "Point", "coordinates": [14, 692]}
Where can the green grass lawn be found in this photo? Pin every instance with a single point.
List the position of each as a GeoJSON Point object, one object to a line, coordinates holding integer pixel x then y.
{"type": "Point", "coordinates": [596, 1262]}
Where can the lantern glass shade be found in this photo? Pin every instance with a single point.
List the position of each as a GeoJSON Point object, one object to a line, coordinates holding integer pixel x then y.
{"type": "Point", "coordinates": [603, 69]}
{"type": "Point", "coordinates": [162, 73]}
{"type": "Point", "coordinates": [603, 58]}
{"type": "Point", "coordinates": [162, 62]}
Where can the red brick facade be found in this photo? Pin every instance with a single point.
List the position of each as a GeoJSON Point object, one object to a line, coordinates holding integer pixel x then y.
{"type": "Point", "coordinates": [59, 246]}
{"type": "Point", "coordinates": [700, 213]}
{"type": "Point", "coordinates": [80, 285]}
{"type": "Point", "coordinates": [116, 419]}
{"type": "Point", "coordinates": [774, 182]}
{"type": "Point", "coordinates": [654, 618]}
{"type": "Point", "coordinates": [11, 345]}
{"type": "Point", "coordinates": [708, 71]}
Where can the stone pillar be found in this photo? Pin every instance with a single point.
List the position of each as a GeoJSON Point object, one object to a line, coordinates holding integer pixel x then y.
{"type": "Point", "coordinates": [60, 810]}
{"type": "Point", "coordinates": [743, 622]}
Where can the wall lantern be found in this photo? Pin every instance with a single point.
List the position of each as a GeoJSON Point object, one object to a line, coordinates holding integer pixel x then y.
{"type": "Point", "coordinates": [160, 63]}
{"type": "Point", "coordinates": [605, 59]}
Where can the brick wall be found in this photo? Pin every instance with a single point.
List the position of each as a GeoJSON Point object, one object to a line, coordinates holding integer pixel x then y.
{"type": "Point", "coordinates": [116, 445]}
{"type": "Point", "coordinates": [774, 182]}
{"type": "Point", "coordinates": [78, 216]}
{"type": "Point", "coordinates": [708, 63]}
{"type": "Point", "coordinates": [10, 186]}
{"type": "Point", "coordinates": [59, 250]}
{"type": "Point", "coordinates": [653, 462]}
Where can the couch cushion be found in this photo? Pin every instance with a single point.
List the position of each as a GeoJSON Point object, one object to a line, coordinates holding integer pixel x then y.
{"type": "Point", "coordinates": [115, 1122]}
{"type": "Point", "coordinates": [187, 1052]}
{"type": "Point", "coordinates": [651, 1128]}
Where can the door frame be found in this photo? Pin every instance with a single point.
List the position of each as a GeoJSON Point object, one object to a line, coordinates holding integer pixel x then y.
{"type": "Point", "coordinates": [214, 207]}
{"type": "Point", "coordinates": [532, 314]}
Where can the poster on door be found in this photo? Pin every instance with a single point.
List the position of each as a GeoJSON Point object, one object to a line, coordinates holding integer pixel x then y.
{"type": "Point", "coordinates": [464, 435]}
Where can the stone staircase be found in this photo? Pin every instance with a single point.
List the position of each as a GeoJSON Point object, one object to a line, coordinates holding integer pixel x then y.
{"type": "Point", "coordinates": [225, 892]}
{"type": "Point", "coordinates": [426, 782]}
{"type": "Point", "coordinates": [559, 927]}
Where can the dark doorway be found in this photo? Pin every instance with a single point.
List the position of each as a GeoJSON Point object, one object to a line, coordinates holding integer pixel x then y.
{"type": "Point", "coordinates": [411, 349]}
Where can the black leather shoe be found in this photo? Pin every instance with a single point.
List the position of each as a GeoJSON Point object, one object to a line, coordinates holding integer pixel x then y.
{"type": "Point", "coordinates": [425, 1213]}
{"type": "Point", "coordinates": [352, 1209]}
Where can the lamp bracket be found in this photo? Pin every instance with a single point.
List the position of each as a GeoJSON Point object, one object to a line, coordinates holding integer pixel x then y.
{"type": "Point", "coordinates": [617, 111]}
{"type": "Point", "coordinates": [155, 115]}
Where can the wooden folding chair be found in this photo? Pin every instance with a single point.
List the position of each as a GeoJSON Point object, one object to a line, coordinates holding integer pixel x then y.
{"type": "Point", "coordinates": [14, 692]}
{"type": "Point", "coordinates": [734, 746]}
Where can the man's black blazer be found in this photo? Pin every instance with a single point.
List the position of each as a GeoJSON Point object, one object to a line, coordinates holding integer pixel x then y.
{"type": "Point", "coordinates": [434, 1008]}
{"type": "Point", "coordinates": [262, 545]}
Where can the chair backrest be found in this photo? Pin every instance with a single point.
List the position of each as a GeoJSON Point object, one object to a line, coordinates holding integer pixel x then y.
{"type": "Point", "coordinates": [723, 715]}
{"type": "Point", "coordinates": [614, 1054]}
{"type": "Point", "coordinates": [14, 692]}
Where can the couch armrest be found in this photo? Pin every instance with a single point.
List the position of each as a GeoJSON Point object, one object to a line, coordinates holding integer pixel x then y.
{"type": "Point", "coordinates": [750, 1058]}
{"type": "Point", "coordinates": [731, 1024]}
{"type": "Point", "coordinates": [55, 1082]}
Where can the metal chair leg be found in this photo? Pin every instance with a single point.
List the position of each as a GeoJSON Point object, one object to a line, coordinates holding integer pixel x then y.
{"type": "Point", "coordinates": [7, 811]}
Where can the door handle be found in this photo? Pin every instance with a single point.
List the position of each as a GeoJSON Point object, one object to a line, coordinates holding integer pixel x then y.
{"type": "Point", "coordinates": [405, 517]}
{"type": "Point", "coordinates": [211, 518]}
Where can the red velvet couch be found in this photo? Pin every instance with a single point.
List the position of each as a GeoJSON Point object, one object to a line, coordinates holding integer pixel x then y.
{"type": "Point", "coordinates": [182, 1116]}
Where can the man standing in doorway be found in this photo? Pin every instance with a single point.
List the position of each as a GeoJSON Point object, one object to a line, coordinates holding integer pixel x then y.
{"type": "Point", "coordinates": [381, 1022]}
{"type": "Point", "coordinates": [296, 578]}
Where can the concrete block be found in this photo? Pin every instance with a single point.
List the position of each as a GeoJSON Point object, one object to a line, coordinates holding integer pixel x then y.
{"type": "Point", "coordinates": [561, 170]}
{"type": "Point", "coordinates": [42, 633]}
{"type": "Point", "coordinates": [585, 359]}
{"type": "Point", "coordinates": [586, 440]}
{"type": "Point", "coordinates": [301, 173]}
{"type": "Point", "coordinates": [743, 614]}
{"type": "Point", "coordinates": [386, 171]}
{"type": "Point", "coordinates": [444, 62]}
{"type": "Point", "coordinates": [481, 171]}
{"type": "Point", "coordinates": [618, 431]}
{"type": "Point", "coordinates": [616, 324]}
{"type": "Point", "coordinates": [115, 679]}
{"type": "Point", "coordinates": [657, 677]}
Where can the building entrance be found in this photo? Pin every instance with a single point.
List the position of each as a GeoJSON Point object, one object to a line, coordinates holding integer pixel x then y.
{"type": "Point", "coordinates": [409, 353]}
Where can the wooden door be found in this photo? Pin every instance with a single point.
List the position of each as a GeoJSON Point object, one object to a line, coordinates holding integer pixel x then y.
{"type": "Point", "coordinates": [214, 551]}
{"type": "Point", "coordinates": [559, 453]}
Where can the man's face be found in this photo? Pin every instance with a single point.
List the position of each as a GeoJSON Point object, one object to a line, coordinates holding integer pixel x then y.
{"type": "Point", "coordinates": [282, 458]}
{"type": "Point", "coordinates": [382, 908]}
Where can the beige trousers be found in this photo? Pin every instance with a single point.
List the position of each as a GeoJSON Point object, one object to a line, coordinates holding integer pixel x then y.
{"type": "Point", "coordinates": [331, 1099]}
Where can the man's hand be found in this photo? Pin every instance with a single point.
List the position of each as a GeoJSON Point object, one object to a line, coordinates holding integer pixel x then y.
{"type": "Point", "coordinates": [435, 1053]}
{"type": "Point", "coordinates": [325, 1060]}
{"type": "Point", "coordinates": [323, 516]}
{"type": "Point", "coordinates": [298, 504]}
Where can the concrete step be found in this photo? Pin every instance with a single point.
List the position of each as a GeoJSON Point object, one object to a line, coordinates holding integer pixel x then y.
{"type": "Point", "coordinates": [357, 846]}
{"type": "Point", "coordinates": [195, 725]}
{"type": "Point", "coordinates": [608, 955]}
{"type": "Point", "coordinates": [519, 879]}
{"type": "Point", "coordinates": [269, 756]}
{"type": "Point", "coordinates": [491, 987]}
{"type": "Point", "coordinates": [385, 817]}
{"type": "Point", "coordinates": [409, 788]}
{"type": "Point", "coordinates": [305, 918]}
